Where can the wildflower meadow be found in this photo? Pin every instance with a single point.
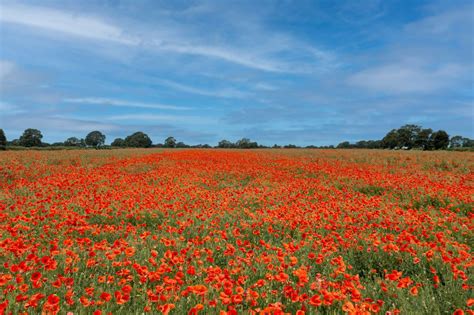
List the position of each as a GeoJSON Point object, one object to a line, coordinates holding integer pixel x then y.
{"type": "Point", "coordinates": [137, 231]}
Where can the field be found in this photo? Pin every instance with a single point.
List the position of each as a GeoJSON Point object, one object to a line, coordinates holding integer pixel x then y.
{"type": "Point", "coordinates": [226, 232]}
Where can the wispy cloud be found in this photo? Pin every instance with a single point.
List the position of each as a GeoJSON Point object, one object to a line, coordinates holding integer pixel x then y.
{"type": "Point", "coordinates": [305, 72]}
{"type": "Point", "coordinates": [64, 22]}
{"type": "Point", "coordinates": [7, 107]}
{"type": "Point", "coordinates": [265, 86]}
{"type": "Point", "coordinates": [429, 55]}
{"type": "Point", "coordinates": [179, 41]}
{"type": "Point", "coordinates": [122, 103]}
{"type": "Point", "coordinates": [55, 123]}
{"type": "Point", "coordinates": [360, 12]}
{"type": "Point", "coordinates": [24, 84]}
{"type": "Point", "coordinates": [223, 93]}
{"type": "Point", "coordinates": [227, 54]}
{"type": "Point", "coordinates": [161, 118]}
{"type": "Point", "coordinates": [6, 68]}
{"type": "Point", "coordinates": [407, 78]}
{"type": "Point", "coordinates": [445, 23]}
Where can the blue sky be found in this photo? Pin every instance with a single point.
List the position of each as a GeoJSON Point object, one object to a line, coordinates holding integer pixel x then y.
{"type": "Point", "coordinates": [301, 72]}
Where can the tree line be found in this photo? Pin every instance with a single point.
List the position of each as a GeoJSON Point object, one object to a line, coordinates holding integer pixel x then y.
{"type": "Point", "coordinates": [410, 137]}
{"type": "Point", "coordinates": [94, 139]}
{"type": "Point", "coordinates": [406, 137]}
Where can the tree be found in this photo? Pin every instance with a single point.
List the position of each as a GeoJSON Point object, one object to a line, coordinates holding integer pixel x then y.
{"type": "Point", "coordinates": [361, 144]}
{"type": "Point", "coordinates": [138, 140]}
{"type": "Point", "coordinates": [181, 145]}
{"type": "Point", "coordinates": [118, 142]}
{"type": "Point", "coordinates": [344, 145]}
{"type": "Point", "coordinates": [170, 142]}
{"type": "Point", "coordinates": [468, 143]}
{"type": "Point", "coordinates": [456, 142]}
{"type": "Point", "coordinates": [95, 139]}
{"type": "Point", "coordinates": [460, 142]}
{"type": "Point", "coordinates": [374, 144]}
{"type": "Point", "coordinates": [225, 144]}
{"type": "Point", "coordinates": [14, 142]}
{"type": "Point", "coordinates": [31, 138]}
{"type": "Point", "coordinates": [407, 135]}
{"type": "Point", "coordinates": [440, 139]}
{"type": "Point", "coordinates": [72, 142]}
{"type": "Point", "coordinates": [423, 139]}
{"type": "Point", "coordinates": [245, 143]}
{"type": "Point", "coordinates": [3, 140]}
{"type": "Point", "coordinates": [390, 141]}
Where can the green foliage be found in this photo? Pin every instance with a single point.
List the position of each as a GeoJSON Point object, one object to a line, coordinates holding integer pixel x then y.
{"type": "Point", "coordinates": [344, 145]}
{"type": "Point", "coordinates": [95, 139]}
{"type": "Point", "coordinates": [225, 144]}
{"type": "Point", "coordinates": [74, 142]}
{"type": "Point", "coordinates": [245, 143]}
{"type": "Point", "coordinates": [406, 137]}
{"type": "Point", "coordinates": [181, 145]}
{"type": "Point", "coordinates": [464, 209]}
{"type": "Point", "coordinates": [371, 190]}
{"type": "Point", "coordinates": [390, 141]}
{"type": "Point", "coordinates": [439, 140]}
{"type": "Point", "coordinates": [413, 136]}
{"type": "Point", "coordinates": [3, 140]}
{"type": "Point", "coordinates": [118, 142]}
{"type": "Point", "coordinates": [170, 142]}
{"type": "Point", "coordinates": [137, 140]}
{"type": "Point", "coordinates": [31, 138]}
{"type": "Point", "coordinates": [422, 139]}
{"type": "Point", "coordinates": [461, 142]}
{"type": "Point", "coordinates": [427, 201]}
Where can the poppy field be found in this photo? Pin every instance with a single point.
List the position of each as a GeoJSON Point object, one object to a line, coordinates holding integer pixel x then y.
{"type": "Point", "coordinates": [139, 231]}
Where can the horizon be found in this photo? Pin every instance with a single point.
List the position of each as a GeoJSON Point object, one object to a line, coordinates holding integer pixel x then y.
{"type": "Point", "coordinates": [203, 71]}
{"type": "Point", "coordinates": [424, 138]}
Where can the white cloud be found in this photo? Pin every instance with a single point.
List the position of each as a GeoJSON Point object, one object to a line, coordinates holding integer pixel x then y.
{"type": "Point", "coordinates": [261, 56]}
{"type": "Point", "coordinates": [162, 118]}
{"type": "Point", "coordinates": [55, 123]}
{"type": "Point", "coordinates": [167, 37]}
{"type": "Point", "coordinates": [121, 103]}
{"type": "Point", "coordinates": [406, 78]}
{"type": "Point", "coordinates": [6, 68]}
{"type": "Point", "coordinates": [230, 55]}
{"type": "Point", "coordinates": [6, 107]}
{"type": "Point", "coordinates": [222, 93]}
{"type": "Point", "coordinates": [446, 23]}
{"type": "Point", "coordinates": [18, 81]}
{"type": "Point", "coordinates": [430, 55]}
{"type": "Point", "coordinates": [265, 86]}
{"type": "Point", "coordinates": [64, 22]}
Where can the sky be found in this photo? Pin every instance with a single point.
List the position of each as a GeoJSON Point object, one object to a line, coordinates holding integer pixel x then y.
{"type": "Point", "coordinates": [299, 72]}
